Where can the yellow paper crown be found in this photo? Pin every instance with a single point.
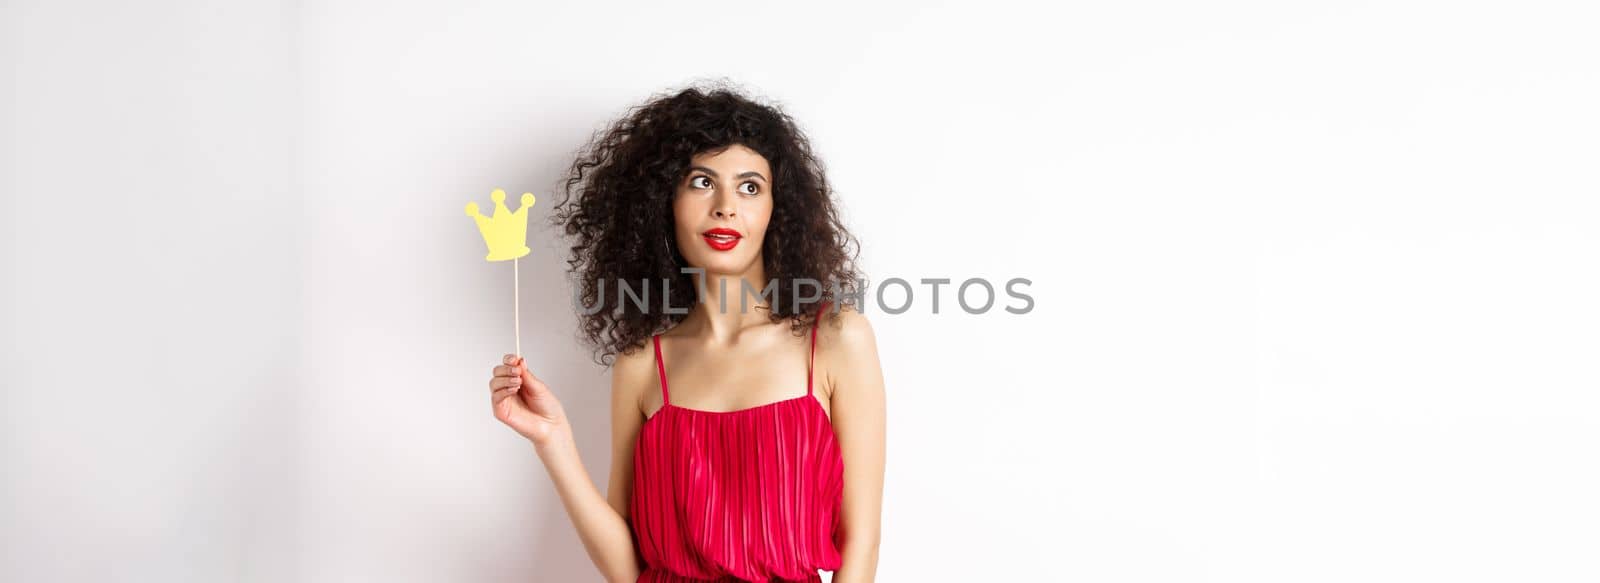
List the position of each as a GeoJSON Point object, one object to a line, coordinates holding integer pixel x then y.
{"type": "Point", "coordinates": [506, 233]}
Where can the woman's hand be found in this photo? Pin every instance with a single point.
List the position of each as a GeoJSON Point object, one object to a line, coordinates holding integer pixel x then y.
{"type": "Point", "coordinates": [525, 403]}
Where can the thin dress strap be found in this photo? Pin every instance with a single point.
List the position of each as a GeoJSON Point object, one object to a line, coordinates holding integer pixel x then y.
{"type": "Point", "coordinates": [813, 362]}
{"type": "Point", "coordinates": [661, 370]}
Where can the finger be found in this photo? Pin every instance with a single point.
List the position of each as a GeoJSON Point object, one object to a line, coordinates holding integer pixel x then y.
{"type": "Point", "coordinates": [502, 388]}
{"type": "Point", "coordinates": [499, 404]}
{"type": "Point", "coordinates": [509, 359]}
{"type": "Point", "coordinates": [501, 394]}
{"type": "Point", "coordinates": [505, 371]}
{"type": "Point", "coordinates": [498, 383]}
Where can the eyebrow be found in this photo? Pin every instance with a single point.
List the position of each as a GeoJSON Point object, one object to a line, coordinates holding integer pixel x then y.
{"type": "Point", "coordinates": [746, 174]}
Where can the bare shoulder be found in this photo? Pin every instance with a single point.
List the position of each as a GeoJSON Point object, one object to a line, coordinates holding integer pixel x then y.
{"type": "Point", "coordinates": [847, 349]}
{"type": "Point", "coordinates": [847, 331]}
{"type": "Point", "coordinates": [631, 374]}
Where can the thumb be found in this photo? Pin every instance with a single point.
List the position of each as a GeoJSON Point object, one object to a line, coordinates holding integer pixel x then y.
{"type": "Point", "coordinates": [529, 381]}
{"type": "Point", "coordinates": [536, 395]}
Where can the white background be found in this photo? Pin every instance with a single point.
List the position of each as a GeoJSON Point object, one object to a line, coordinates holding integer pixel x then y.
{"type": "Point", "coordinates": [1314, 284]}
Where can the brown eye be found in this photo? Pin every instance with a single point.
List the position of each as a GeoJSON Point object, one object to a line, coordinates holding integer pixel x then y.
{"type": "Point", "coordinates": [694, 182]}
{"type": "Point", "coordinates": [754, 188]}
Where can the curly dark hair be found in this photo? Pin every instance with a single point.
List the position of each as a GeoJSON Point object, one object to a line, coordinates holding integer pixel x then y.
{"type": "Point", "coordinates": [617, 209]}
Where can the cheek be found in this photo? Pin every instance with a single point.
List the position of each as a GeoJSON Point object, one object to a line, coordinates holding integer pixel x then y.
{"type": "Point", "coordinates": [682, 211]}
{"type": "Point", "coordinates": [760, 223]}
{"type": "Point", "coordinates": [761, 218]}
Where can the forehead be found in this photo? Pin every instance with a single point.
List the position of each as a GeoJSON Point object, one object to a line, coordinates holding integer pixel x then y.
{"type": "Point", "coordinates": [735, 158]}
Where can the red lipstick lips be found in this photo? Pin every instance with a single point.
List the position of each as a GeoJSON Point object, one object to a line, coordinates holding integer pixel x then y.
{"type": "Point", "coordinates": [722, 239]}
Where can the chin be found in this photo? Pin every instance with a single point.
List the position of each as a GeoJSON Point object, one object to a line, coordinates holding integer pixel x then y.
{"type": "Point", "coordinates": [724, 265]}
{"type": "Point", "coordinates": [718, 263]}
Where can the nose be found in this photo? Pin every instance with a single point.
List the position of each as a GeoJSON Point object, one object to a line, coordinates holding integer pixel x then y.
{"type": "Point", "coordinates": [723, 208]}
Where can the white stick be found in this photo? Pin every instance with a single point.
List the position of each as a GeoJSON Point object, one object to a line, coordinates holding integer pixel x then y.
{"type": "Point", "coordinates": [516, 305]}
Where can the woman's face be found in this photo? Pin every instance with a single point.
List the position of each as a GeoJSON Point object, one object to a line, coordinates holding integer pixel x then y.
{"type": "Point", "coordinates": [731, 192]}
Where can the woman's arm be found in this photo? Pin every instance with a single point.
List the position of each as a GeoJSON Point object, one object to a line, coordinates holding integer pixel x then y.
{"type": "Point", "coordinates": [857, 408]}
{"type": "Point", "coordinates": [600, 520]}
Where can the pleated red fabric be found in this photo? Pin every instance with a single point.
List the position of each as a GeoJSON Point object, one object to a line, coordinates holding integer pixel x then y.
{"type": "Point", "coordinates": [747, 495]}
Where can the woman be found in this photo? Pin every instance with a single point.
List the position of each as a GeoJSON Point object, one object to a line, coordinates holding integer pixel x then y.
{"type": "Point", "coordinates": [728, 472]}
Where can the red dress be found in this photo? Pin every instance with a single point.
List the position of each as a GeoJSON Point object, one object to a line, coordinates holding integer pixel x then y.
{"type": "Point", "coordinates": [747, 495]}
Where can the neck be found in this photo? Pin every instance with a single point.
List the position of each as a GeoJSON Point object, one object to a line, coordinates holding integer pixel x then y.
{"type": "Point", "coordinates": [719, 315]}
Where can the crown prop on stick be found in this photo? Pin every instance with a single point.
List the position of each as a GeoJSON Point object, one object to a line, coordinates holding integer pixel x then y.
{"type": "Point", "coordinates": [506, 234]}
